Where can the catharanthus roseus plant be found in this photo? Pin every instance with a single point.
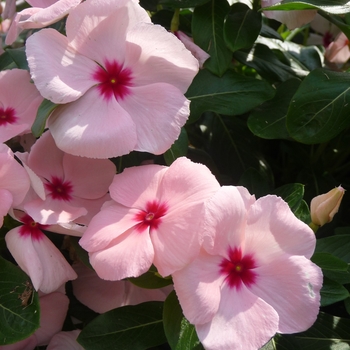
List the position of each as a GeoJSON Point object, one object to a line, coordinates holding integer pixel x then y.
{"type": "Point", "coordinates": [169, 175]}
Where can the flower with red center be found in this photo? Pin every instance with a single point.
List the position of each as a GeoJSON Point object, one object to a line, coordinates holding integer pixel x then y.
{"type": "Point", "coordinates": [17, 111]}
{"type": "Point", "coordinates": [253, 276]}
{"type": "Point", "coordinates": [37, 256]}
{"type": "Point", "coordinates": [120, 79]}
{"type": "Point", "coordinates": [66, 187]}
{"type": "Point", "coordinates": [153, 219]}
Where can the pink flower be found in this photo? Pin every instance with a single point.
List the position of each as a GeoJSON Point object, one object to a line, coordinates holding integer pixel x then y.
{"type": "Point", "coordinates": [292, 19]}
{"type": "Point", "coordinates": [338, 51]}
{"type": "Point", "coordinates": [253, 277]}
{"type": "Point", "coordinates": [66, 341]}
{"type": "Point", "coordinates": [43, 14]}
{"type": "Point", "coordinates": [37, 256]}
{"type": "Point", "coordinates": [67, 187]}
{"type": "Point", "coordinates": [14, 182]}
{"type": "Point", "coordinates": [53, 310]}
{"type": "Point", "coordinates": [153, 219]}
{"type": "Point", "coordinates": [17, 110]}
{"type": "Point", "coordinates": [120, 79]}
{"type": "Point", "coordinates": [196, 51]}
{"type": "Point", "coordinates": [101, 295]}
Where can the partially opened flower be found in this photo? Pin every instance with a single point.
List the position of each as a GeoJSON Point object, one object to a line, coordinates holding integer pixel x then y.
{"type": "Point", "coordinates": [14, 182]}
{"type": "Point", "coordinates": [37, 256]}
{"type": "Point", "coordinates": [42, 14]}
{"type": "Point", "coordinates": [120, 78]}
{"type": "Point", "coordinates": [17, 110]}
{"type": "Point", "coordinates": [67, 187]}
{"type": "Point", "coordinates": [253, 277]}
{"type": "Point", "coordinates": [153, 219]}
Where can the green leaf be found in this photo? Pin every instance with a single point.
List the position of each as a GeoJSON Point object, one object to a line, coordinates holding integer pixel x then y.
{"type": "Point", "coordinates": [292, 194]}
{"type": "Point", "coordinates": [19, 304]}
{"type": "Point", "coordinates": [327, 261]}
{"type": "Point", "coordinates": [208, 32]}
{"type": "Point", "coordinates": [335, 7]}
{"type": "Point", "coordinates": [19, 57]}
{"type": "Point", "coordinates": [136, 327]}
{"type": "Point", "coordinates": [242, 27]}
{"type": "Point", "coordinates": [6, 61]}
{"type": "Point", "coordinates": [320, 108]}
{"type": "Point", "coordinates": [255, 182]}
{"type": "Point", "coordinates": [183, 3]}
{"type": "Point", "coordinates": [178, 148]}
{"type": "Point", "coordinates": [332, 292]}
{"type": "Point", "coordinates": [45, 109]}
{"type": "Point", "coordinates": [266, 63]}
{"type": "Point", "coordinates": [328, 333]}
{"type": "Point", "coordinates": [268, 121]}
{"type": "Point", "coordinates": [232, 94]}
{"type": "Point", "coordinates": [151, 280]}
{"type": "Point", "coordinates": [180, 333]}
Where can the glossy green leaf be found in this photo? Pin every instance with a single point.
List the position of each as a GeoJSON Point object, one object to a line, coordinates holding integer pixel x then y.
{"type": "Point", "coordinates": [328, 261]}
{"type": "Point", "coordinates": [178, 148]}
{"type": "Point", "coordinates": [45, 109]}
{"type": "Point", "coordinates": [6, 61]}
{"type": "Point", "coordinates": [320, 108]}
{"type": "Point", "coordinates": [303, 212]}
{"type": "Point", "coordinates": [207, 32]}
{"type": "Point", "coordinates": [242, 27]}
{"type": "Point", "coordinates": [332, 292]}
{"type": "Point", "coordinates": [19, 304]}
{"type": "Point", "coordinates": [268, 121]}
{"type": "Point", "coordinates": [151, 279]}
{"type": "Point", "coordinates": [180, 333]}
{"type": "Point", "coordinates": [232, 94]}
{"type": "Point", "coordinates": [328, 333]}
{"type": "Point", "coordinates": [136, 327]}
{"type": "Point", "coordinates": [292, 194]}
{"type": "Point", "coordinates": [19, 57]}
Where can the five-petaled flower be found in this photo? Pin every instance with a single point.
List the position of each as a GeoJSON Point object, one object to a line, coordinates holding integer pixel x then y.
{"type": "Point", "coordinates": [253, 276]}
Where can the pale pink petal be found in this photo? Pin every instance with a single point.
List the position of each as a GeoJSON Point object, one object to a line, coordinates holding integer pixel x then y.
{"type": "Point", "coordinates": [91, 177]}
{"type": "Point", "coordinates": [93, 128]}
{"type": "Point", "coordinates": [338, 51]}
{"type": "Point", "coordinates": [66, 341]}
{"type": "Point", "coordinates": [111, 222]}
{"type": "Point", "coordinates": [53, 308]}
{"type": "Point", "coordinates": [40, 259]}
{"type": "Point", "coordinates": [51, 211]}
{"type": "Point", "coordinates": [135, 186]}
{"type": "Point", "coordinates": [41, 3]}
{"type": "Point", "coordinates": [273, 230]}
{"type": "Point", "coordinates": [136, 295]}
{"type": "Point", "coordinates": [296, 283]}
{"type": "Point", "coordinates": [158, 124]}
{"type": "Point", "coordinates": [129, 255]}
{"type": "Point", "coordinates": [243, 321]}
{"type": "Point", "coordinates": [196, 51]}
{"type": "Point", "coordinates": [103, 23]}
{"type": "Point", "coordinates": [198, 288]}
{"type": "Point", "coordinates": [64, 75]}
{"type": "Point", "coordinates": [173, 63]}
{"type": "Point", "coordinates": [97, 294]}
{"type": "Point", "coordinates": [5, 204]}
{"type": "Point", "coordinates": [10, 9]}
{"type": "Point", "coordinates": [224, 221]}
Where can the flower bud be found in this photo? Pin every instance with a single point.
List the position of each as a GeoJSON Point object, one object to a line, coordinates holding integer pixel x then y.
{"type": "Point", "coordinates": [325, 206]}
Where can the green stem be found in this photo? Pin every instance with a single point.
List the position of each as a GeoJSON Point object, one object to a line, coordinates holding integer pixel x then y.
{"type": "Point", "coordinates": [175, 21]}
{"type": "Point", "coordinates": [314, 227]}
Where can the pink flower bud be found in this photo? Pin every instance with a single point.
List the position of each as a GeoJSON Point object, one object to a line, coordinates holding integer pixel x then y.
{"type": "Point", "coordinates": [325, 206]}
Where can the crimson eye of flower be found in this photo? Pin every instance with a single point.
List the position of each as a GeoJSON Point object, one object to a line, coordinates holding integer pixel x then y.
{"type": "Point", "coordinates": [7, 116]}
{"type": "Point", "coordinates": [152, 216]}
{"type": "Point", "coordinates": [238, 269]}
{"type": "Point", "coordinates": [59, 189]}
{"type": "Point", "coordinates": [31, 227]}
{"type": "Point", "coordinates": [113, 79]}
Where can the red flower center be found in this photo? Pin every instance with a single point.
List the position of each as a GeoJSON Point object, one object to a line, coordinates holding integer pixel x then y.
{"type": "Point", "coordinates": [32, 228]}
{"type": "Point", "coordinates": [113, 79]}
{"type": "Point", "coordinates": [238, 269]}
{"type": "Point", "coordinates": [7, 116]}
{"type": "Point", "coordinates": [152, 216]}
{"type": "Point", "coordinates": [59, 189]}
